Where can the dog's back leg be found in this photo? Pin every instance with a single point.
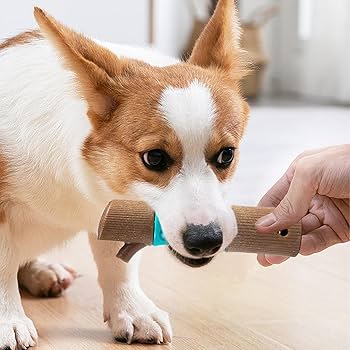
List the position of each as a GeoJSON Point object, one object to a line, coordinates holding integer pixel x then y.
{"type": "Point", "coordinates": [43, 279]}
{"type": "Point", "coordinates": [16, 329]}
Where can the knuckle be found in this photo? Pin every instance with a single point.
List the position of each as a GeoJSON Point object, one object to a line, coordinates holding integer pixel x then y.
{"type": "Point", "coordinates": [286, 207]}
{"type": "Point", "coordinates": [308, 170]}
{"type": "Point", "coordinates": [301, 158]}
{"type": "Point", "coordinates": [312, 249]}
{"type": "Point", "coordinates": [269, 200]}
{"type": "Point", "coordinates": [321, 242]}
{"type": "Point", "coordinates": [304, 166]}
{"type": "Point", "coordinates": [301, 155]}
{"type": "Point", "coordinates": [345, 236]}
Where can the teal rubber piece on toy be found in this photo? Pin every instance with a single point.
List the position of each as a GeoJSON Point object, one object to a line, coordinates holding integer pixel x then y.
{"type": "Point", "coordinates": [158, 235]}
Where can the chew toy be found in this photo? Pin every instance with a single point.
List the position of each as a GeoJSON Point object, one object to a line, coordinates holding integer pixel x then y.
{"type": "Point", "coordinates": [135, 224]}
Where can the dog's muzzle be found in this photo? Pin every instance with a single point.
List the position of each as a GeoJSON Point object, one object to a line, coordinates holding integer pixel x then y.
{"type": "Point", "coordinates": [202, 242]}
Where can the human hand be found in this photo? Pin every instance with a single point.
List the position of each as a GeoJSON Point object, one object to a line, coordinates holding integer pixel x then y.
{"type": "Point", "coordinates": [316, 190]}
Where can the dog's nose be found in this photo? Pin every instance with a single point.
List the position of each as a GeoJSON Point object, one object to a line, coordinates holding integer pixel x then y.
{"type": "Point", "coordinates": [203, 240]}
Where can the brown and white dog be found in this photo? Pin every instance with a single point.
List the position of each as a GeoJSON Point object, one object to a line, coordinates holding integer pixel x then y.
{"type": "Point", "coordinates": [82, 123]}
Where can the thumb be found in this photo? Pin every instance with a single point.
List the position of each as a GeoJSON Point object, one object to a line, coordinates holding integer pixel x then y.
{"type": "Point", "coordinates": [294, 205]}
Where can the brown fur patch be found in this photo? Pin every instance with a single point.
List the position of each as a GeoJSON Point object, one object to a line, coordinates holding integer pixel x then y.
{"type": "Point", "coordinates": [21, 39]}
{"type": "Point", "coordinates": [95, 66]}
{"type": "Point", "coordinates": [218, 46]}
{"type": "Point", "coordinates": [229, 126]}
{"type": "Point", "coordinates": [114, 150]}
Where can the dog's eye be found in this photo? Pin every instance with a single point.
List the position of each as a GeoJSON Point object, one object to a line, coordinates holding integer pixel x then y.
{"type": "Point", "coordinates": [225, 157]}
{"type": "Point", "coordinates": [156, 160]}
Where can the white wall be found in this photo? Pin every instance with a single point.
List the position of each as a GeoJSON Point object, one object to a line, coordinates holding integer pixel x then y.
{"type": "Point", "coordinates": [117, 21]}
{"type": "Point", "coordinates": [269, 32]}
{"type": "Point", "coordinates": [173, 21]}
{"type": "Point", "coordinates": [110, 20]}
{"type": "Point", "coordinates": [317, 66]}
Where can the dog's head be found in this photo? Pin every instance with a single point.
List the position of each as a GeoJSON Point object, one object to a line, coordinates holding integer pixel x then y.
{"type": "Point", "coordinates": [166, 135]}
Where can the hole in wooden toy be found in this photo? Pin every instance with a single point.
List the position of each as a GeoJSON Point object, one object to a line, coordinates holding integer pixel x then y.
{"type": "Point", "coordinates": [283, 233]}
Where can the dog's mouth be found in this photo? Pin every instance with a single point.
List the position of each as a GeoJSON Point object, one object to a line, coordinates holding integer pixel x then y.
{"type": "Point", "coordinates": [191, 262]}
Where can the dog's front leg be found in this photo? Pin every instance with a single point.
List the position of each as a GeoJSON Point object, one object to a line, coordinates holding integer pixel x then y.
{"type": "Point", "coordinates": [132, 316]}
{"type": "Point", "coordinates": [16, 329]}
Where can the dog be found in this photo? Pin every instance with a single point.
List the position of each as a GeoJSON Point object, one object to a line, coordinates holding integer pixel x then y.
{"type": "Point", "coordinates": [84, 122]}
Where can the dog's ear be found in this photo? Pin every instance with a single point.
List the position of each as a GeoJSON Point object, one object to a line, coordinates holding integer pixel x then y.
{"type": "Point", "coordinates": [219, 44]}
{"type": "Point", "coordinates": [96, 68]}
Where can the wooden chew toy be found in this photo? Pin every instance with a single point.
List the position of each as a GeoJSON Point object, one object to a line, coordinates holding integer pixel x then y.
{"type": "Point", "coordinates": [134, 223]}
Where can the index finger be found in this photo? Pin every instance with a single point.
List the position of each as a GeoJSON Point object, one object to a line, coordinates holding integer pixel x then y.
{"type": "Point", "coordinates": [295, 205]}
{"type": "Point", "coordinates": [277, 192]}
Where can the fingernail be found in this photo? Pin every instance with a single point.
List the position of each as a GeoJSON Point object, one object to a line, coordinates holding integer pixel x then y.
{"type": "Point", "coordinates": [262, 260]}
{"type": "Point", "coordinates": [275, 259]}
{"type": "Point", "coordinates": [266, 221]}
{"type": "Point", "coordinates": [308, 245]}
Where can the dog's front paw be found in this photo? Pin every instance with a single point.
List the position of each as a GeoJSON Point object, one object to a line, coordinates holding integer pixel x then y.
{"type": "Point", "coordinates": [44, 279]}
{"type": "Point", "coordinates": [133, 317]}
{"type": "Point", "coordinates": [17, 333]}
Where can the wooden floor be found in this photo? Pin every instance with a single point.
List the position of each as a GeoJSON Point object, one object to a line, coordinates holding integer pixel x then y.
{"type": "Point", "coordinates": [233, 303]}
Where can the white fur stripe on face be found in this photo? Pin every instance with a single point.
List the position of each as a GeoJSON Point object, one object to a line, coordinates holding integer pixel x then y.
{"type": "Point", "coordinates": [195, 195]}
{"type": "Point", "coordinates": [190, 112]}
